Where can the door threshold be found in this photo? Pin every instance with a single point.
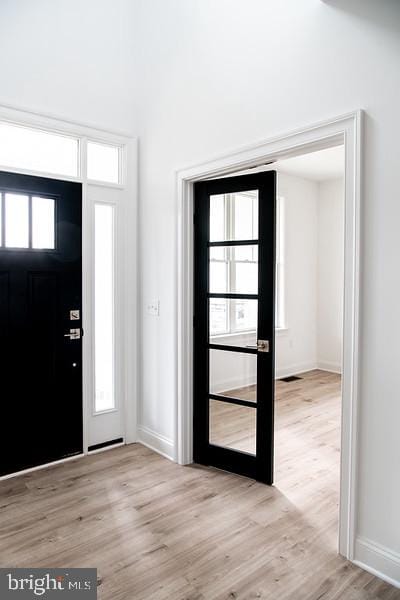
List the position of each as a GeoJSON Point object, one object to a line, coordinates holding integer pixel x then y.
{"type": "Point", "coordinates": [40, 467]}
{"type": "Point", "coordinates": [106, 446]}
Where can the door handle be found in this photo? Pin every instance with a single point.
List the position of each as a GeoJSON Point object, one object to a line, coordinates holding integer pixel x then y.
{"type": "Point", "coordinates": [74, 334]}
{"type": "Point", "coordinates": [263, 345]}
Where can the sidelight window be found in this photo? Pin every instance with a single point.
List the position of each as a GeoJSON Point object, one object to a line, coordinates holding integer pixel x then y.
{"type": "Point", "coordinates": [104, 307]}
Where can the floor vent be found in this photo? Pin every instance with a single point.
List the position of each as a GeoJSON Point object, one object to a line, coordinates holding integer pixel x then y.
{"type": "Point", "coordinates": [291, 378]}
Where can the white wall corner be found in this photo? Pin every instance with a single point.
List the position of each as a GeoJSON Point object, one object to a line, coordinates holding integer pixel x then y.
{"type": "Point", "coordinates": [157, 442]}
{"type": "Point", "coordinates": [332, 367]}
{"type": "Point", "coordinates": [377, 560]}
{"type": "Point", "coordinates": [295, 369]}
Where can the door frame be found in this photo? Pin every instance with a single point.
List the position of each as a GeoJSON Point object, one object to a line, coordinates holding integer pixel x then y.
{"type": "Point", "coordinates": [345, 129]}
{"type": "Point", "coordinates": [126, 270]}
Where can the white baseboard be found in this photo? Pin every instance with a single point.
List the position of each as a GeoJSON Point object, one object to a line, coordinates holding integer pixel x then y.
{"type": "Point", "coordinates": [332, 367]}
{"type": "Point", "coordinates": [233, 383]}
{"type": "Point", "coordinates": [157, 442]}
{"type": "Point", "coordinates": [307, 366]}
{"type": "Point", "coordinates": [237, 381]}
{"type": "Point", "coordinates": [295, 369]}
{"type": "Point", "coordinates": [378, 560]}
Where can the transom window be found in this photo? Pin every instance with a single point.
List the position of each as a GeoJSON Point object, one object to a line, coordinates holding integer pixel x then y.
{"type": "Point", "coordinates": [27, 222]}
{"type": "Point", "coordinates": [235, 217]}
{"type": "Point", "coordinates": [37, 150]}
{"type": "Point", "coordinates": [49, 152]}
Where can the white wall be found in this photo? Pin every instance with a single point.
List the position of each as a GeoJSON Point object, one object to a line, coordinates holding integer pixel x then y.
{"type": "Point", "coordinates": [330, 274]}
{"type": "Point", "coordinates": [215, 76]}
{"type": "Point", "coordinates": [296, 348]}
{"type": "Point", "coordinates": [69, 58]}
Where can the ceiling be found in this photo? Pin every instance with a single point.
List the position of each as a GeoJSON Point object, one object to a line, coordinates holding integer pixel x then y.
{"type": "Point", "coordinates": [318, 166]}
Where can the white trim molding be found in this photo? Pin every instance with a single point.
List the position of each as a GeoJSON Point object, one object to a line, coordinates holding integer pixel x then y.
{"type": "Point", "coordinates": [155, 441]}
{"type": "Point", "coordinates": [378, 560]}
{"type": "Point", "coordinates": [345, 129]}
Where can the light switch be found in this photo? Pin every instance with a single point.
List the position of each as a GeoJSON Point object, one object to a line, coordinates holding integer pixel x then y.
{"type": "Point", "coordinates": [153, 308]}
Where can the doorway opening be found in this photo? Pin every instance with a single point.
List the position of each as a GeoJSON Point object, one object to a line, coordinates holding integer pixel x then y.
{"type": "Point", "coordinates": [341, 131]}
{"type": "Point", "coordinates": [268, 319]}
{"type": "Point", "coordinates": [309, 341]}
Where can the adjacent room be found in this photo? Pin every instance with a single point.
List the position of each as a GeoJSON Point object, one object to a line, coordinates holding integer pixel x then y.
{"type": "Point", "coordinates": [308, 324]}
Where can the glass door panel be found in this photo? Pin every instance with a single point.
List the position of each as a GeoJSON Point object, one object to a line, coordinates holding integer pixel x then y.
{"type": "Point", "coordinates": [233, 375]}
{"type": "Point", "coordinates": [234, 269]}
{"type": "Point", "coordinates": [233, 426]}
{"type": "Point", "coordinates": [233, 322]}
{"type": "Point", "coordinates": [234, 216]}
{"type": "Point", "coordinates": [234, 308]}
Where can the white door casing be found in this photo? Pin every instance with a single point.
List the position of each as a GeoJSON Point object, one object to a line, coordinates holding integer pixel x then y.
{"type": "Point", "coordinates": [345, 129]}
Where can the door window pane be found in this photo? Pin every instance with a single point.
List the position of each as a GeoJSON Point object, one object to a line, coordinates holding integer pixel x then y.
{"type": "Point", "coordinates": [232, 426]}
{"type": "Point", "coordinates": [245, 206]}
{"type": "Point", "coordinates": [217, 218]}
{"type": "Point", "coordinates": [104, 307]}
{"type": "Point", "coordinates": [218, 271]}
{"type": "Point", "coordinates": [43, 223]}
{"type": "Point", "coordinates": [234, 216]}
{"type": "Point", "coordinates": [246, 277]}
{"type": "Point", "coordinates": [238, 273]}
{"type": "Point", "coordinates": [233, 317]}
{"type": "Point", "coordinates": [17, 221]}
{"type": "Point", "coordinates": [245, 315]}
{"type": "Point", "coordinates": [233, 374]}
{"type": "Point", "coordinates": [38, 150]}
{"type": "Point", "coordinates": [103, 162]}
{"type": "Point", "coordinates": [219, 316]}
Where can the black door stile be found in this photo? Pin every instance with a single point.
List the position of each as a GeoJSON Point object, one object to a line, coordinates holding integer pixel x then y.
{"type": "Point", "coordinates": [41, 369]}
{"type": "Point", "coordinates": [259, 465]}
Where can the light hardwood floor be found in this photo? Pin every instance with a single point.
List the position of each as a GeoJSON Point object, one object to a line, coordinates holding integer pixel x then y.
{"type": "Point", "coordinates": [158, 531]}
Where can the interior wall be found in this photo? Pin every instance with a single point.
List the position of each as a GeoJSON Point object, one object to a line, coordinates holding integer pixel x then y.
{"type": "Point", "coordinates": [69, 59]}
{"type": "Point", "coordinates": [296, 346]}
{"type": "Point", "coordinates": [207, 87]}
{"type": "Point", "coordinates": [330, 274]}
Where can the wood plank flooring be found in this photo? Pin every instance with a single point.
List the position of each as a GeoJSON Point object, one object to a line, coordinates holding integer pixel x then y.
{"type": "Point", "coordinates": [158, 531]}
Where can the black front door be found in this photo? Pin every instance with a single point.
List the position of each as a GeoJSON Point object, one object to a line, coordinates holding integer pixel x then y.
{"type": "Point", "coordinates": [40, 303]}
{"type": "Point", "coordinates": [234, 312]}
